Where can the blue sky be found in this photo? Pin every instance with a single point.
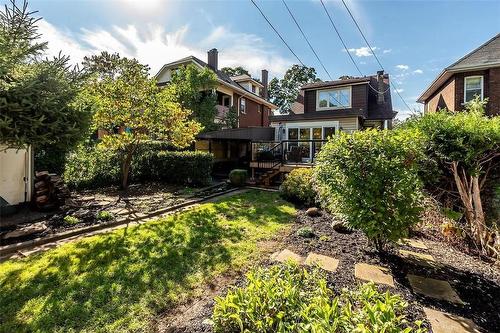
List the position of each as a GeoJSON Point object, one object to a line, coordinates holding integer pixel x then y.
{"type": "Point", "coordinates": [414, 40]}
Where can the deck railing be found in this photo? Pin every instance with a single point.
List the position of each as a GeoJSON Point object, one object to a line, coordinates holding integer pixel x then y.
{"type": "Point", "coordinates": [269, 154]}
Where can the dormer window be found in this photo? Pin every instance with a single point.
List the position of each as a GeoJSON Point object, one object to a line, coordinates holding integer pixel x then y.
{"type": "Point", "coordinates": [253, 88]}
{"type": "Point", "coordinates": [338, 98]}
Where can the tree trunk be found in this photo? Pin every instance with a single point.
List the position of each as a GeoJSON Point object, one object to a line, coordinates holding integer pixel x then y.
{"type": "Point", "coordinates": [126, 166]}
{"type": "Point", "coordinates": [469, 190]}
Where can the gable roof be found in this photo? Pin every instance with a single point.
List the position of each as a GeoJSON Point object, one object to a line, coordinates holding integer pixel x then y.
{"type": "Point", "coordinates": [324, 84]}
{"type": "Point", "coordinates": [221, 77]}
{"type": "Point", "coordinates": [485, 56]}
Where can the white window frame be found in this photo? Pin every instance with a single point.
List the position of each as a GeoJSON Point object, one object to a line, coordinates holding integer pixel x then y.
{"type": "Point", "coordinates": [465, 85]}
{"type": "Point", "coordinates": [318, 108]}
{"type": "Point", "coordinates": [243, 102]}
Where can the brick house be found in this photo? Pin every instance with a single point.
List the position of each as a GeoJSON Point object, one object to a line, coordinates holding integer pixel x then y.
{"type": "Point", "coordinates": [477, 73]}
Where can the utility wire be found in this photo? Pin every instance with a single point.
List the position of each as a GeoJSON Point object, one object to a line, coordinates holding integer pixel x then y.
{"type": "Point", "coordinates": [340, 37]}
{"type": "Point", "coordinates": [372, 51]}
{"type": "Point", "coordinates": [276, 31]}
{"type": "Point", "coordinates": [307, 40]}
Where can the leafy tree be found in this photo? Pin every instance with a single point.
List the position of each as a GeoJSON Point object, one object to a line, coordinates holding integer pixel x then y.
{"type": "Point", "coordinates": [193, 89]}
{"type": "Point", "coordinates": [284, 92]}
{"type": "Point", "coordinates": [371, 179]}
{"type": "Point", "coordinates": [231, 118]}
{"type": "Point", "coordinates": [39, 104]}
{"type": "Point", "coordinates": [130, 106]}
{"type": "Point", "coordinates": [234, 71]}
{"type": "Point", "coordinates": [467, 145]}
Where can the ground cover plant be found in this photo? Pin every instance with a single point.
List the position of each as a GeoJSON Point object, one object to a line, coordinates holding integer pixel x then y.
{"type": "Point", "coordinates": [117, 282]}
{"type": "Point", "coordinates": [371, 179]}
{"type": "Point", "coordinates": [292, 299]}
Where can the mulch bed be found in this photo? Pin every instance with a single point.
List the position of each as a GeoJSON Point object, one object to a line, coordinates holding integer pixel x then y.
{"type": "Point", "coordinates": [477, 282]}
{"type": "Point", "coordinates": [137, 200]}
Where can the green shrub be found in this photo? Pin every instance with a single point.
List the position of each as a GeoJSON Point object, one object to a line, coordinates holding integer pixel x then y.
{"type": "Point", "coordinates": [291, 299]}
{"type": "Point", "coordinates": [371, 179]}
{"type": "Point", "coordinates": [104, 215]}
{"type": "Point", "coordinates": [71, 220]}
{"type": "Point", "coordinates": [238, 177]}
{"type": "Point", "coordinates": [89, 167]}
{"type": "Point", "coordinates": [298, 187]}
{"type": "Point", "coordinates": [306, 232]}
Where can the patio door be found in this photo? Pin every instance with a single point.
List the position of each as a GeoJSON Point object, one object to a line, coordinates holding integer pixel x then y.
{"type": "Point", "coordinates": [305, 134]}
{"type": "Point", "coordinates": [317, 134]}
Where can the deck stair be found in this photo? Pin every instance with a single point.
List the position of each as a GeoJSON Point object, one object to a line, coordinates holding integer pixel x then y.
{"type": "Point", "coordinates": [266, 177]}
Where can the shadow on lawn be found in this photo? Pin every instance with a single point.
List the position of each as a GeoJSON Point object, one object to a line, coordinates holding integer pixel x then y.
{"type": "Point", "coordinates": [114, 282]}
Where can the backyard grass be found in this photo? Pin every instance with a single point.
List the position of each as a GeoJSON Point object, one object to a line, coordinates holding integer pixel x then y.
{"type": "Point", "coordinates": [117, 282]}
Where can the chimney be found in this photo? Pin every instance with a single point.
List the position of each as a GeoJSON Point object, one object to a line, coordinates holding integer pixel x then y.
{"type": "Point", "coordinates": [264, 78]}
{"type": "Point", "coordinates": [381, 87]}
{"type": "Point", "coordinates": [213, 59]}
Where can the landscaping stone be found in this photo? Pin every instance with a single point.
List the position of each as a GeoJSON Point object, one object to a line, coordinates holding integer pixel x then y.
{"type": "Point", "coordinates": [415, 243]}
{"type": "Point", "coordinates": [313, 212]}
{"type": "Point", "coordinates": [438, 289]}
{"type": "Point", "coordinates": [325, 262]}
{"type": "Point", "coordinates": [419, 258]}
{"type": "Point", "coordinates": [26, 230]}
{"type": "Point", "coordinates": [373, 273]}
{"type": "Point", "coordinates": [339, 226]}
{"type": "Point", "coordinates": [442, 322]}
{"type": "Point", "coordinates": [287, 255]}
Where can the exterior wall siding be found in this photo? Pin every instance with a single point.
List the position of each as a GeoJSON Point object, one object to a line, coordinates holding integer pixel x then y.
{"type": "Point", "coordinates": [359, 102]}
{"type": "Point", "coordinates": [451, 94]}
{"type": "Point", "coordinates": [444, 98]}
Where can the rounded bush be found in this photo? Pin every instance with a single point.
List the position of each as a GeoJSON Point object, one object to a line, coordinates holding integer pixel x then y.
{"type": "Point", "coordinates": [298, 187]}
{"type": "Point", "coordinates": [371, 179]}
{"type": "Point", "coordinates": [238, 177]}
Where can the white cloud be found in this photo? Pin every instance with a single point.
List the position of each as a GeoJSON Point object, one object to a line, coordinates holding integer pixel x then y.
{"type": "Point", "coordinates": [387, 51]}
{"type": "Point", "coordinates": [155, 46]}
{"type": "Point", "coordinates": [418, 71]}
{"type": "Point", "coordinates": [362, 51]}
{"type": "Point", "coordinates": [400, 90]}
{"type": "Point", "coordinates": [403, 67]}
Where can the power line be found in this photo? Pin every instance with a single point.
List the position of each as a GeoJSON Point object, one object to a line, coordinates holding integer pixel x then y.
{"type": "Point", "coordinates": [372, 51]}
{"type": "Point", "coordinates": [340, 37]}
{"type": "Point", "coordinates": [307, 40]}
{"type": "Point", "coordinates": [276, 31]}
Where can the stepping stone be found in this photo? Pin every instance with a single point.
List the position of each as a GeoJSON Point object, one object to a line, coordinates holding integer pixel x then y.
{"type": "Point", "coordinates": [287, 255]}
{"type": "Point", "coordinates": [442, 322]}
{"type": "Point", "coordinates": [438, 289]}
{"type": "Point", "coordinates": [325, 262]}
{"type": "Point", "coordinates": [419, 258]}
{"type": "Point", "coordinates": [373, 273]}
{"type": "Point", "coordinates": [414, 243]}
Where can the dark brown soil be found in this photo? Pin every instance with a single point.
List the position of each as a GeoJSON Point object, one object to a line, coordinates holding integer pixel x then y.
{"type": "Point", "coordinates": [476, 282]}
{"type": "Point", "coordinates": [137, 200]}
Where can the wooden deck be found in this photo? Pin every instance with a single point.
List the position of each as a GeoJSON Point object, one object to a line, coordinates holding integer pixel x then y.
{"type": "Point", "coordinates": [285, 167]}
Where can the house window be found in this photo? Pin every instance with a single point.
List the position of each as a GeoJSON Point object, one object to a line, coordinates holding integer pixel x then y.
{"type": "Point", "coordinates": [253, 88]}
{"type": "Point", "coordinates": [333, 98]}
{"type": "Point", "coordinates": [473, 86]}
{"type": "Point", "coordinates": [243, 105]}
{"type": "Point", "coordinates": [329, 132]}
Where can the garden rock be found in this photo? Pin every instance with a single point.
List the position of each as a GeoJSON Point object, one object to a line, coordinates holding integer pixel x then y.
{"type": "Point", "coordinates": [373, 273]}
{"type": "Point", "coordinates": [26, 230]}
{"type": "Point", "coordinates": [325, 262]}
{"type": "Point", "coordinates": [339, 226]}
{"type": "Point", "coordinates": [287, 255]}
{"type": "Point", "coordinates": [313, 212]}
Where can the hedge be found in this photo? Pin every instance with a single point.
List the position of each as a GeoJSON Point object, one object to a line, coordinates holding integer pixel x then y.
{"type": "Point", "coordinates": [89, 167]}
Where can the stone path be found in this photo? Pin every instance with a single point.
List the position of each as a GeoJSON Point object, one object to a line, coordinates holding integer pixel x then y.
{"type": "Point", "coordinates": [327, 263]}
{"type": "Point", "coordinates": [373, 273]}
{"type": "Point", "coordinates": [441, 322]}
{"type": "Point", "coordinates": [438, 289]}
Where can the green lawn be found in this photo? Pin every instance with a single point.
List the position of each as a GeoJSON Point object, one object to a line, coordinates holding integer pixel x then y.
{"type": "Point", "coordinates": [117, 281]}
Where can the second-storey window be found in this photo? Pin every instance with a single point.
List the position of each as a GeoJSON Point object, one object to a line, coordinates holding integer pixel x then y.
{"type": "Point", "coordinates": [473, 86]}
{"type": "Point", "coordinates": [333, 98]}
{"type": "Point", "coordinates": [243, 105]}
